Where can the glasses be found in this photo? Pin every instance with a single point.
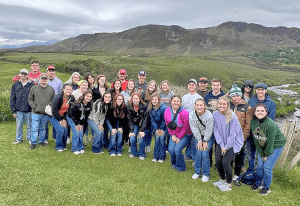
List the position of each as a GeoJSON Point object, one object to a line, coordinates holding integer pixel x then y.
{"type": "Point", "coordinates": [24, 74]}
{"type": "Point", "coordinates": [250, 86]}
{"type": "Point", "coordinates": [44, 78]}
{"type": "Point", "coordinates": [203, 79]}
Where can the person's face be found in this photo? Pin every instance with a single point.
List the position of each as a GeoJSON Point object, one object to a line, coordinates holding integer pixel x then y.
{"type": "Point", "coordinates": [35, 67]}
{"type": "Point", "coordinates": [23, 76]}
{"type": "Point", "coordinates": [76, 78]}
{"type": "Point", "coordinates": [192, 87]}
{"type": "Point", "coordinates": [151, 87]}
{"type": "Point", "coordinates": [222, 105]}
{"type": "Point", "coordinates": [88, 97]}
{"type": "Point", "coordinates": [107, 98]}
{"type": "Point", "coordinates": [236, 99]}
{"type": "Point", "coordinates": [165, 87]}
{"type": "Point", "coordinates": [101, 81]}
{"type": "Point", "coordinates": [91, 79]}
{"type": "Point", "coordinates": [216, 87]}
{"type": "Point", "coordinates": [122, 76]}
{"type": "Point", "coordinates": [260, 112]}
{"type": "Point", "coordinates": [200, 106]}
{"type": "Point", "coordinates": [175, 103]}
{"type": "Point", "coordinates": [130, 85]}
{"type": "Point", "coordinates": [43, 81]}
{"type": "Point", "coordinates": [261, 92]}
{"type": "Point", "coordinates": [141, 78]}
{"type": "Point", "coordinates": [202, 85]}
{"type": "Point", "coordinates": [117, 85]}
{"type": "Point", "coordinates": [154, 101]}
{"type": "Point", "coordinates": [247, 89]}
{"type": "Point", "coordinates": [51, 73]}
{"type": "Point", "coordinates": [83, 87]}
{"type": "Point", "coordinates": [136, 100]}
{"type": "Point", "coordinates": [119, 100]}
{"type": "Point", "coordinates": [68, 90]}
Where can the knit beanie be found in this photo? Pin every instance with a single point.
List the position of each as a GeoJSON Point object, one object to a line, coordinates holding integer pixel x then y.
{"type": "Point", "coordinates": [235, 91]}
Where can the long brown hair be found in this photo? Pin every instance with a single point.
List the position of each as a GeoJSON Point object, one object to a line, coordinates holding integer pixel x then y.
{"type": "Point", "coordinates": [140, 97]}
{"type": "Point", "coordinates": [86, 77]}
{"type": "Point", "coordinates": [148, 95]}
{"type": "Point", "coordinates": [105, 83]}
{"type": "Point", "coordinates": [150, 106]}
{"type": "Point", "coordinates": [80, 99]}
{"type": "Point", "coordinates": [122, 107]}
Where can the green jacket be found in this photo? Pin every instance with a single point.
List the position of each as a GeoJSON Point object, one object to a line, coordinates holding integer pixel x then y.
{"type": "Point", "coordinates": [39, 97]}
{"type": "Point", "coordinates": [267, 136]}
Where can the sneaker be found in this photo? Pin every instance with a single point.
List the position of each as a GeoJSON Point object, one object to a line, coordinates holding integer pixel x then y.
{"type": "Point", "coordinates": [235, 177]}
{"type": "Point", "coordinates": [220, 182]}
{"type": "Point", "coordinates": [188, 159]}
{"type": "Point", "coordinates": [32, 146]}
{"type": "Point", "coordinates": [60, 150]}
{"type": "Point", "coordinates": [46, 142]}
{"type": "Point", "coordinates": [264, 191]}
{"type": "Point", "coordinates": [77, 152]}
{"type": "Point", "coordinates": [225, 187]}
{"type": "Point", "coordinates": [154, 160]}
{"type": "Point", "coordinates": [29, 142]}
{"type": "Point", "coordinates": [131, 156]}
{"type": "Point", "coordinates": [160, 161]}
{"type": "Point", "coordinates": [101, 152]}
{"type": "Point", "coordinates": [129, 149]}
{"type": "Point", "coordinates": [254, 187]}
{"type": "Point", "coordinates": [112, 155]}
{"type": "Point", "coordinates": [82, 151]}
{"type": "Point", "coordinates": [167, 152]}
{"type": "Point", "coordinates": [68, 140]}
{"type": "Point", "coordinates": [177, 170]}
{"type": "Point", "coordinates": [65, 149]}
{"type": "Point", "coordinates": [195, 176]}
{"type": "Point", "coordinates": [141, 158]}
{"type": "Point", "coordinates": [43, 144]}
{"type": "Point", "coordinates": [119, 155]}
{"type": "Point", "coordinates": [17, 142]}
{"type": "Point", "coordinates": [204, 178]}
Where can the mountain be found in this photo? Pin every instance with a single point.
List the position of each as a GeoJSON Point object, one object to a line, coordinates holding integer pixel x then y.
{"type": "Point", "coordinates": [33, 43]}
{"type": "Point", "coordinates": [235, 36]}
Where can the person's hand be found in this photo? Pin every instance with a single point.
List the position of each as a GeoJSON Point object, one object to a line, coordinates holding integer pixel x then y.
{"type": "Point", "coordinates": [15, 115]}
{"type": "Point", "coordinates": [264, 159]}
{"type": "Point", "coordinates": [204, 146]}
{"type": "Point", "coordinates": [131, 134]}
{"type": "Point", "coordinates": [120, 130]}
{"type": "Point", "coordinates": [199, 146]}
{"type": "Point", "coordinates": [177, 140]}
{"type": "Point", "coordinates": [142, 134]}
{"type": "Point", "coordinates": [79, 127]}
{"type": "Point", "coordinates": [174, 138]}
{"type": "Point", "coordinates": [113, 131]}
{"type": "Point", "coordinates": [223, 151]}
{"type": "Point", "coordinates": [101, 128]}
{"type": "Point", "coordinates": [63, 123]}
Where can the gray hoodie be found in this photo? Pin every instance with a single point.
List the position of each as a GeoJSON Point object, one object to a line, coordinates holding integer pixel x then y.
{"type": "Point", "coordinates": [198, 129]}
{"type": "Point", "coordinates": [39, 97]}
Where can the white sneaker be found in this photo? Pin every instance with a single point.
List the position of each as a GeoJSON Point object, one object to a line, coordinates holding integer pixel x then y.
{"type": "Point", "coordinates": [131, 156]}
{"type": "Point", "coordinates": [29, 142]}
{"type": "Point", "coordinates": [17, 142]}
{"type": "Point", "coordinates": [220, 182]}
{"type": "Point", "coordinates": [195, 176]}
{"type": "Point", "coordinates": [46, 142]}
{"type": "Point", "coordinates": [112, 155]}
{"type": "Point", "coordinates": [68, 140]}
{"type": "Point", "coordinates": [119, 155]}
{"type": "Point", "coordinates": [141, 158]}
{"type": "Point", "coordinates": [225, 187]}
{"type": "Point", "coordinates": [77, 152]}
{"type": "Point", "coordinates": [60, 150]}
{"type": "Point", "coordinates": [235, 177]}
{"type": "Point", "coordinates": [101, 152]}
{"type": "Point", "coordinates": [65, 148]}
{"type": "Point", "coordinates": [154, 160]}
{"type": "Point", "coordinates": [129, 149]}
{"type": "Point", "coordinates": [160, 161]}
{"type": "Point", "coordinates": [204, 178]}
{"type": "Point", "coordinates": [82, 151]}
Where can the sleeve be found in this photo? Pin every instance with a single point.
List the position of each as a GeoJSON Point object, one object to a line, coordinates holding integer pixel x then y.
{"type": "Point", "coordinates": [209, 126]}
{"type": "Point", "coordinates": [184, 116]}
{"type": "Point", "coordinates": [13, 100]}
{"type": "Point", "coordinates": [60, 86]}
{"type": "Point", "coordinates": [194, 128]}
{"type": "Point", "coordinates": [153, 122]}
{"type": "Point", "coordinates": [163, 123]}
{"type": "Point", "coordinates": [234, 133]}
{"type": "Point", "coordinates": [130, 120]}
{"type": "Point", "coordinates": [55, 108]}
{"type": "Point", "coordinates": [271, 133]}
{"type": "Point", "coordinates": [31, 98]}
{"type": "Point", "coordinates": [272, 111]}
{"type": "Point", "coordinates": [16, 78]}
{"type": "Point", "coordinates": [167, 121]}
{"type": "Point", "coordinates": [94, 114]}
{"type": "Point", "coordinates": [248, 117]}
{"type": "Point", "coordinates": [76, 114]}
{"type": "Point", "coordinates": [217, 131]}
{"type": "Point", "coordinates": [252, 128]}
{"type": "Point", "coordinates": [145, 121]}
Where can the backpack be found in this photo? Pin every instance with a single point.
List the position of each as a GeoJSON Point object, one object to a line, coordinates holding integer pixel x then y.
{"type": "Point", "coordinates": [248, 178]}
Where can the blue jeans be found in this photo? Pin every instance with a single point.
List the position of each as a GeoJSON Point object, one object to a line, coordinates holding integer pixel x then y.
{"type": "Point", "coordinates": [38, 128]}
{"type": "Point", "coordinates": [133, 142]}
{"type": "Point", "coordinates": [115, 142]}
{"type": "Point", "coordinates": [175, 150]}
{"type": "Point", "coordinates": [77, 138]}
{"type": "Point", "coordinates": [61, 134]}
{"type": "Point", "coordinates": [98, 137]}
{"type": "Point", "coordinates": [202, 158]}
{"type": "Point", "coordinates": [159, 152]}
{"type": "Point", "coordinates": [264, 170]}
{"type": "Point", "coordinates": [250, 151]}
{"type": "Point", "coordinates": [190, 151]}
{"type": "Point", "coordinates": [148, 135]}
{"type": "Point", "coordinates": [21, 116]}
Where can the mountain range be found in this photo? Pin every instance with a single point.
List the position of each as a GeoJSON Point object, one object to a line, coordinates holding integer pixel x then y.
{"type": "Point", "coordinates": [33, 43]}
{"type": "Point", "coordinates": [160, 39]}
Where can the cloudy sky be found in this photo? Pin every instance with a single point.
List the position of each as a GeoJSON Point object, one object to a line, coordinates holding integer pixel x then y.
{"type": "Point", "coordinates": [22, 21]}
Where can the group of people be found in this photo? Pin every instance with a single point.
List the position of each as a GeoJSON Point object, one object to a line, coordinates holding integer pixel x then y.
{"type": "Point", "coordinates": [236, 124]}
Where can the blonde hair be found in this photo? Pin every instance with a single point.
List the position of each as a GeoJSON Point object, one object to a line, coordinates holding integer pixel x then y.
{"type": "Point", "coordinates": [150, 106]}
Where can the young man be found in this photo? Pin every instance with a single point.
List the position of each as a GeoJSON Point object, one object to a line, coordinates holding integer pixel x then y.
{"type": "Point", "coordinates": [202, 87]}
{"type": "Point", "coordinates": [122, 76]}
{"type": "Point", "coordinates": [39, 97]}
{"type": "Point", "coordinates": [141, 84]}
{"type": "Point", "coordinates": [212, 97]}
{"type": "Point", "coordinates": [19, 106]}
{"type": "Point", "coordinates": [260, 97]}
{"type": "Point", "coordinates": [53, 81]}
{"type": "Point", "coordinates": [34, 74]}
{"type": "Point", "coordinates": [188, 101]}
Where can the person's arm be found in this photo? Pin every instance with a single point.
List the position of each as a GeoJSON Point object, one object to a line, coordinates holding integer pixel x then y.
{"type": "Point", "coordinates": [272, 110]}
{"type": "Point", "coordinates": [13, 100]}
{"type": "Point", "coordinates": [271, 133]}
{"type": "Point", "coordinates": [194, 127]}
{"type": "Point", "coordinates": [31, 98]}
{"type": "Point", "coordinates": [145, 121]}
{"type": "Point", "coordinates": [56, 106]}
{"type": "Point", "coordinates": [130, 119]}
{"type": "Point", "coordinates": [153, 122]}
{"type": "Point", "coordinates": [217, 131]}
{"type": "Point", "coordinates": [184, 117]}
{"type": "Point", "coordinates": [248, 117]}
{"type": "Point", "coordinates": [167, 121]}
{"type": "Point", "coordinates": [209, 126]}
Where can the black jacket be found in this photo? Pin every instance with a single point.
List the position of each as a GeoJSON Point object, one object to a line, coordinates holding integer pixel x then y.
{"type": "Point", "coordinates": [79, 113]}
{"type": "Point", "coordinates": [114, 120]}
{"type": "Point", "coordinates": [56, 106]}
{"type": "Point", "coordinates": [19, 97]}
{"type": "Point", "coordinates": [139, 118]}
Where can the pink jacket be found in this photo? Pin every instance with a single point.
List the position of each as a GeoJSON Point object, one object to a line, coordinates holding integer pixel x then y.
{"type": "Point", "coordinates": [182, 121]}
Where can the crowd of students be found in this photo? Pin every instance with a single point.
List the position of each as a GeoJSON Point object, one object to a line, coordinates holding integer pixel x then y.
{"type": "Point", "coordinates": [237, 123]}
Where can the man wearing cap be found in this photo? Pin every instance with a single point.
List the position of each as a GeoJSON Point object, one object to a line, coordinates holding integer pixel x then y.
{"type": "Point", "coordinates": [39, 97]}
{"type": "Point", "coordinates": [19, 106]}
{"type": "Point", "coordinates": [141, 84]}
{"type": "Point", "coordinates": [122, 76]}
{"type": "Point", "coordinates": [188, 101]}
{"type": "Point", "coordinates": [34, 74]}
{"type": "Point", "coordinates": [202, 87]}
{"type": "Point", "coordinates": [243, 112]}
{"type": "Point", "coordinates": [53, 81]}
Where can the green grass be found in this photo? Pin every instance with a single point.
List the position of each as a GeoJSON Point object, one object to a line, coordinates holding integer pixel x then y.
{"type": "Point", "coordinates": [45, 177]}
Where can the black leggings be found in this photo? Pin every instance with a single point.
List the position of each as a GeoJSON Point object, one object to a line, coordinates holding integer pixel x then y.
{"type": "Point", "coordinates": [223, 163]}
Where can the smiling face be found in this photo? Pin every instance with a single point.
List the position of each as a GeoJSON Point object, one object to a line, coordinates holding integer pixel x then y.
{"type": "Point", "coordinates": [192, 87]}
{"type": "Point", "coordinates": [202, 86]}
{"type": "Point", "coordinates": [175, 103]}
{"type": "Point", "coordinates": [260, 112]}
{"type": "Point", "coordinates": [119, 100]}
{"type": "Point", "coordinates": [247, 89]}
{"type": "Point", "coordinates": [142, 78]}
{"type": "Point", "coordinates": [107, 98]}
{"type": "Point", "coordinates": [101, 81]}
{"type": "Point", "coordinates": [35, 67]}
{"type": "Point", "coordinates": [200, 106]}
{"type": "Point", "coordinates": [165, 87]}
{"type": "Point", "coordinates": [216, 87]}
{"type": "Point", "coordinates": [130, 85]}
{"type": "Point", "coordinates": [154, 100]}
{"type": "Point", "coordinates": [261, 93]}
{"type": "Point", "coordinates": [68, 90]}
{"type": "Point", "coordinates": [122, 76]}
{"type": "Point", "coordinates": [83, 87]}
{"type": "Point", "coordinates": [117, 85]}
{"type": "Point", "coordinates": [91, 79]}
{"type": "Point", "coordinates": [136, 100]}
{"type": "Point", "coordinates": [43, 81]}
{"type": "Point", "coordinates": [236, 99]}
{"type": "Point", "coordinates": [88, 97]}
{"type": "Point", "coordinates": [75, 78]}
{"type": "Point", "coordinates": [23, 76]}
{"type": "Point", "coordinates": [151, 87]}
{"type": "Point", "coordinates": [222, 105]}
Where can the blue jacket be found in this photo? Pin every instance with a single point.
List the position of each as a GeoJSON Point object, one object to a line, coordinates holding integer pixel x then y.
{"type": "Point", "coordinates": [268, 102]}
{"type": "Point", "coordinates": [19, 97]}
{"type": "Point", "coordinates": [211, 96]}
{"type": "Point", "coordinates": [157, 118]}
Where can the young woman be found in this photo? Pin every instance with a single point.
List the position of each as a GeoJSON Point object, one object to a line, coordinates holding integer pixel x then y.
{"type": "Point", "coordinates": [73, 80]}
{"type": "Point", "coordinates": [269, 142]}
{"type": "Point", "coordinates": [137, 120]}
{"type": "Point", "coordinates": [90, 78]}
{"type": "Point", "coordinates": [99, 113]}
{"type": "Point", "coordinates": [201, 123]}
{"type": "Point", "coordinates": [102, 87]}
{"type": "Point", "coordinates": [247, 90]}
{"type": "Point", "coordinates": [181, 135]}
{"type": "Point", "coordinates": [165, 94]}
{"type": "Point", "coordinates": [156, 112]}
{"type": "Point", "coordinates": [129, 90]}
{"type": "Point", "coordinates": [229, 138]}
{"type": "Point", "coordinates": [117, 88]}
{"type": "Point", "coordinates": [77, 119]}
{"type": "Point", "coordinates": [117, 124]}
{"type": "Point", "coordinates": [60, 106]}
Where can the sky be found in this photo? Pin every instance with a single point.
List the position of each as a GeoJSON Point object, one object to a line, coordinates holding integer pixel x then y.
{"type": "Point", "coordinates": [23, 21]}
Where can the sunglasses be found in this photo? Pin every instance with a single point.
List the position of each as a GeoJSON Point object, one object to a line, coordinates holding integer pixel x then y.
{"type": "Point", "coordinates": [24, 73]}
{"type": "Point", "coordinates": [250, 86]}
{"type": "Point", "coordinates": [203, 79]}
{"type": "Point", "coordinates": [44, 78]}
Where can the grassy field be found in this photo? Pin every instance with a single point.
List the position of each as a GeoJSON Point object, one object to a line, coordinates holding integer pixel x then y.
{"type": "Point", "coordinates": [46, 177]}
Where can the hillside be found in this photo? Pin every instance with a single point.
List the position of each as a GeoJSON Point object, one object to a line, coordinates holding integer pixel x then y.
{"type": "Point", "coordinates": [176, 40]}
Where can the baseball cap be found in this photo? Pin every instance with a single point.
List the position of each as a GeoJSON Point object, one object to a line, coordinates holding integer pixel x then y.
{"type": "Point", "coordinates": [50, 67]}
{"type": "Point", "coordinates": [261, 85]}
{"type": "Point", "coordinates": [24, 71]}
{"type": "Point", "coordinates": [203, 79]}
{"type": "Point", "coordinates": [192, 80]}
{"type": "Point", "coordinates": [142, 73]}
{"type": "Point", "coordinates": [122, 71]}
{"type": "Point", "coordinates": [43, 76]}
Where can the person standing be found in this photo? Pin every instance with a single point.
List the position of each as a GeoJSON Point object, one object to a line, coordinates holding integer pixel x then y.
{"type": "Point", "coordinates": [122, 76]}
{"type": "Point", "coordinates": [141, 84]}
{"type": "Point", "coordinates": [19, 105]}
{"type": "Point", "coordinates": [39, 97]}
{"type": "Point", "coordinates": [35, 73]}
{"type": "Point", "coordinates": [212, 97]}
{"type": "Point", "coordinates": [202, 87]}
